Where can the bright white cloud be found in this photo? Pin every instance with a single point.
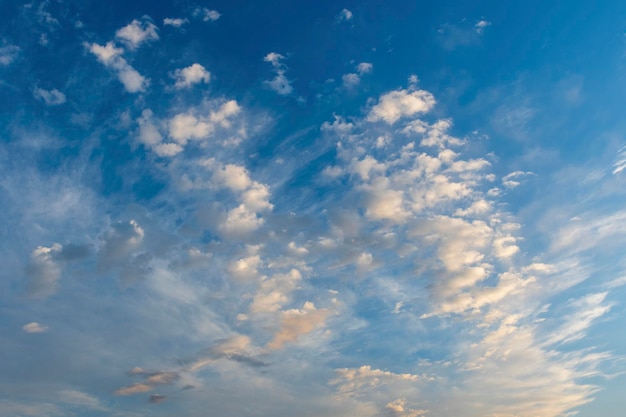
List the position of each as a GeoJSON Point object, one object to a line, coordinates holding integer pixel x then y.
{"type": "Point", "coordinates": [401, 103]}
{"type": "Point", "coordinates": [137, 33]}
{"type": "Point", "coordinates": [345, 15]}
{"type": "Point", "coordinates": [110, 56]}
{"type": "Point", "coordinates": [193, 74]}
{"type": "Point", "coordinates": [481, 25]}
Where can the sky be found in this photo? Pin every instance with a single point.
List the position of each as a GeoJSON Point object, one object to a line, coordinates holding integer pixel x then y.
{"type": "Point", "coordinates": [312, 208]}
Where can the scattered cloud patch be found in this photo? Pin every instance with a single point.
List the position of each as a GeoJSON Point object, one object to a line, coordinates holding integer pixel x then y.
{"type": "Point", "coordinates": [8, 53]}
{"type": "Point", "coordinates": [137, 33]}
{"type": "Point", "coordinates": [365, 68]}
{"type": "Point", "coordinates": [111, 57]}
{"type": "Point", "coordinates": [34, 327]}
{"type": "Point", "coordinates": [206, 15]}
{"type": "Point", "coordinates": [401, 103]}
{"type": "Point", "coordinates": [280, 83]}
{"type": "Point", "coordinates": [513, 179]}
{"type": "Point", "coordinates": [50, 97]}
{"type": "Point", "coordinates": [175, 22]}
{"type": "Point", "coordinates": [481, 25]}
{"type": "Point", "coordinates": [193, 74]}
{"type": "Point", "coordinates": [345, 15]}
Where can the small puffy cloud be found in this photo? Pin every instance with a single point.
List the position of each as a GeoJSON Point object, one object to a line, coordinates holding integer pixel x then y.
{"type": "Point", "coordinates": [34, 327]}
{"type": "Point", "coordinates": [184, 127]}
{"type": "Point", "coordinates": [296, 323]}
{"type": "Point", "coordinates": [280, 83]}
{"type": "Point", "coordinates": [344, 15]}
{"type": "Point", "coordinates": [401, 103]}
{"type": "Point", "coordinates": [364, 68]}
{"type": "Point", "coordinates": [241, 221]}
{"type": "Point", "coordinates": [50, 97]}
{"type": "Point", "coordinates": [351, 80]}
{"type": "Point", "coordinates": [137, 388]}
{"type": "Point", "coordinates": [8, 53]}
{"type": "Point", "coordinates": [156, 398]}
{"type": "Point", "coordinates": [110, 57]}
{"type": "Point", "coordinates": [193, 74]}
{"type": "Point", "coordinates": [187, 126]}
{"type": "Point", "coordinates": [43, 271]}
{"type": "Point", "coordinates": [168, 149]}
{"type": "Point", "coordinates": [384, 203]}
{"type": "Point", "coordinates": [207, 15]}
{"type": "Point", "coordinates": [175, 22]}
{"type": "Point", "coordinates": [481, 25]}
{"type": "Point", "coordinates": [136, 33]}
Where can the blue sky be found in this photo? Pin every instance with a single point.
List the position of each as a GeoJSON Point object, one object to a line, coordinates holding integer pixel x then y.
{"type": "Point", "coordinates": [312, 208]}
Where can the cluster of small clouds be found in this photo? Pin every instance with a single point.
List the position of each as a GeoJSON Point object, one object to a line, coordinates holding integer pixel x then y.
{"type": "Point", "coordinates": [280, 83]}
{"type": "Point", "coordinates": [407, 197]}
{"type": "Point", "coordinates": [352, 80]}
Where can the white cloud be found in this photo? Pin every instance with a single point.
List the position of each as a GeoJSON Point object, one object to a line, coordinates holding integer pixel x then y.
{"type": "Point", "coordinates": [241, 221]}
{"type": "Point", "coordinates": [175, 22]}
{"type": "Point", "coordinates": [364, 68]}
{"type": "Point", "coordinates": [206, 14]}
{"type": "Point", "coordinates": [481, 25]}
{"type": "Point", "coordinates": [50, 97]}
{"type": "Point", "coordinates": [512, 180]}
{"type": "Point", "coordinates": [136, 33]}
{"type": "Point", "coordinates": [110, 57]}
{"type": "Point", "coordinates": [351, 80]}
{"type": "Point", "coordinates": [401, 103]}
{"type": "Point", "coordinates": [34, 327]}
{"type": "Point", "coordinates": [186, 126]}
{"type": "Point", "coordinates": [280, 83]}
{"type": "Point", "coordinates": [345, 15]}
{"type": "Point", "coordinates": [8, 53]}
{"type": "Point", "coordinates": [193, 74]}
